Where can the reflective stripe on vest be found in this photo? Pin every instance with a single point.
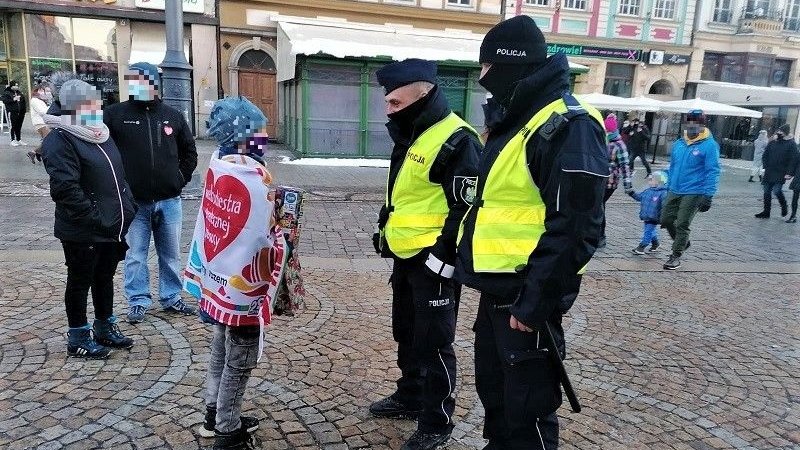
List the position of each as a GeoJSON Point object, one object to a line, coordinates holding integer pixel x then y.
{"type": "Point", "coordinates": [510, 220]}
{"type": "Point", "coordinates": [418, 208]}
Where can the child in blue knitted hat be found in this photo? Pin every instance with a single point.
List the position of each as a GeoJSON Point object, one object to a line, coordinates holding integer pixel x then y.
{"type": "Point", "coordinates": [652, 200]}
{"type": "Point", "coordinates": [237, 125]}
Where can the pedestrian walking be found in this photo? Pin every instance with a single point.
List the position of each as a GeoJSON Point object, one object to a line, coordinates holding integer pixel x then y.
{"type": "Point", "coordinates": [16, 107]}
{"type": "Point", "coordinates": [159, 154]}
{"type": "Point", "coordinates": [431, 184]}
{"type": "Point", "coordinates": [617, 166]}
{"type": "Point", "coordinates": [638, 139]}
{"type": "Point", "coordinates": [535, 222]}
{"type": "Point", "coordinates": [40, 102]}
{"type": "Point", "coordinates": [778, 162]}
{"type": "Point", "coordinates": [693, 181]}
{"type": "Point", "coordinates": [758, 152]}
{"type": "Point", "coordinates": [794, 186]}
{"type": "Point", "coordinates": [94, 208]}
{"type": "Point", "coordinates": [247, 268]}
{"type": "Point", "coordinates": [652, 201]}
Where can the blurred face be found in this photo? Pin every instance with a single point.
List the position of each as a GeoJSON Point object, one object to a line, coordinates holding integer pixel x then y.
{"type": "Point", "coordinates": [693, 129]}
{"type": "Point", "coordinates": [484, 68]}
{"type": "Point", "coordinates": [140, 87]}
{"type": "Point", "coordinates": [89, 113]}
{"type": "Point", "coordinates": [400, 98]}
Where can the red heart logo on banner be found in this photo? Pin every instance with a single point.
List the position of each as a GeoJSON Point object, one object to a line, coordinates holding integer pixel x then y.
{"type": "Point", "coordinates": [226, 207]}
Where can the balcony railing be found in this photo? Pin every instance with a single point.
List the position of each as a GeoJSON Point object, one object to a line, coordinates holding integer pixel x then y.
{"type": "Point", "coordinates": [761, 21]}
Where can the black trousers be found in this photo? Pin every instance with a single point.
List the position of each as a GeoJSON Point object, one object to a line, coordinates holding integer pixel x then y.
{"type": "Point", "coordinates": [608, 194]}
{"type": "Point", "coordinates": [424, 311]}
{"type": "Point", "coordinates": [641, 155]}
{"type": "Point", "coordinates": [516, 382]}
{"type": "Point", "coordinates": [795, 198]}
{"type": "Point", "coordinates": [775, 189]}
{"type": "Point", "coordinates": [90, 266]}
{"type": "Point", "coordinates": [16, 125]}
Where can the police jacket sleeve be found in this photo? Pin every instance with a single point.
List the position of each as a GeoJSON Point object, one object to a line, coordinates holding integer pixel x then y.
{"type": "Point", "coordinates": [64, 168]}
{"type": "Point", "coordinates": [457, 172]}
{"type": "Point", "coordinates": [187, 151]}
{"type": "Point", "coordinates": [571, 174]}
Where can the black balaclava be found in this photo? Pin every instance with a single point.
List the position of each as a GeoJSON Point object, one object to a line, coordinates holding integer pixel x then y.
{"type": "Point", "coordinates": [515, 48]}
{"type": "Point", "coordinates": [405, 117]}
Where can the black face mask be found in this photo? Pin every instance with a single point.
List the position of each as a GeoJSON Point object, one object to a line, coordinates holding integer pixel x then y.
{"type": "Point", "coordinates": [405, 118]}
{"type": "Point", "coordinates": [501, 80]}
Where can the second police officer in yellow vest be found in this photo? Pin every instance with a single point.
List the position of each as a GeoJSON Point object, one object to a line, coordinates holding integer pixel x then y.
{"type": "Point", "coordinates": [534, 224]}
{"type": "Point", "coordinates": [432, 179]}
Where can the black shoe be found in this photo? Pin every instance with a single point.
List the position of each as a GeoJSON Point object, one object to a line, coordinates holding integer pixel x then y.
{"type": "Point", "coordinates": [425, 441]}
{"type": "Point", "coordinates": [751, 180]}
{"type": "Point", "coordinates": [653, 247]}
{"type": "Point", "coordinates": [238, 440]}
{"type": "Point", "coordinates": [762, 215]}
{"type": "Point", "coordinates": [80, 344]}
{"type": "Point", "coordinates": [784, 210]}
{"type": "Point", "coordinates": [108, 333]}
{"type": "Point", "coordinates": [389, 407]}
{"type": "Point", "coordinates": [639, 250]}
{"type": "Point", "coordinates": [206, 429]}
{"type": "Point", "coordinates": [792, 219]}
{"type": "Point", "coordinates": [673, 262]}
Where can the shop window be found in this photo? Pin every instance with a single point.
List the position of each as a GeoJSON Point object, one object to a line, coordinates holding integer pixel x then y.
{"type": "Point", "coordinates": [629, 7]}
{"type": "Point", "coordinates": [759, 70]}
{"type": "Point", "coordinates": [103, 75]}
{"type": "Point", "coordinates": [149, 42]}
{"type": "Point", "coordinates": [780, 72]}
{"type": "Point", "coordinates": [256, 59]}
{"type": "Point", "coordinates": [16, 38]}
{"type": "Point", "coordinates": [711, 65]}
{"type": "Point", "coordinates": [664, 9]}
{"type": "Point", "coordinates": [49, 36]}
{"type": "Point", "coordinates": [95, 40]}
{"type": "Point", "coordinates": [661, 87]}
{"type": "Point", "coordinates": [619, 79]}
{"type": "Point", "coordinates": [17, 70]}
{"type": "Point", "coordinates": [333, 109]}
{"type": "Point", "coordinates": [42, 68]}
{"type": "Point", "coordinates": [3, 53]}
{"type": "Point", "coordinates": [378, 141]}
{"type": "Point", "coordinates": [722, 11]}
{"type": "Point", "coordinates": [732, 68]}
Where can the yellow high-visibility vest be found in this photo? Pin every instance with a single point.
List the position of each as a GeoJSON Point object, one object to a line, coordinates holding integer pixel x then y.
{"type": "Point", "coordinates": [418, 208]}
{"type": "Point", "coordinates": [510, 219]}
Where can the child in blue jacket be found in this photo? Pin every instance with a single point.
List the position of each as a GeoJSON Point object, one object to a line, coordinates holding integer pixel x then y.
{"type": "Point", "coordinates": [652, 199]}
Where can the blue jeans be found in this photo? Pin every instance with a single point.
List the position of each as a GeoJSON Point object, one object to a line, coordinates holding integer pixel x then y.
{"type": "Point", "coordinates": [162, 221]}
{"type": "Point", "coordinates": [650, 234]}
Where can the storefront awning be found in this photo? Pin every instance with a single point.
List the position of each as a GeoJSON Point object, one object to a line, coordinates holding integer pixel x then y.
{"type": "Point", "coordinates": [308, 37]}
{"type": "Point", "coordinates": [746, 95]}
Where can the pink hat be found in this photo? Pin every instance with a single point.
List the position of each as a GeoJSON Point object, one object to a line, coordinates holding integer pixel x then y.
{"type": "Point", "coordinates": [611, 122]}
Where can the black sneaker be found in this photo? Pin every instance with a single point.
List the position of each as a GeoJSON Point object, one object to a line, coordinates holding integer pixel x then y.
{"type": "Point", "coordinates": [792, 219]}
{"type": "Point", "coordinates": [180, 307]}
{"type": "Point", "coordinates": [238, 440]}
{"type": "Point", "coordinates": [108, 333]}
{"type": "Point", "coordinates": [425, 441]}
{"type": "Point", "coordinates": [762, 215]}
{"type": "Point", "coordinates": [673, 262]}
{"type": "Point", "coordinates": [389, 407]}
{"type": "Point", "coordinates": [639, 250]}
{"type": "Point", "coordinates": [653, 247]}
{"type": "Point", "coordinates": [80, 344]}
{"type": "Point", "coordinates": [206, 429]}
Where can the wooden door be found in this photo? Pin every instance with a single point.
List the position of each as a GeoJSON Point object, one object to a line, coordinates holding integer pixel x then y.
{"type": "Point", "coordinates": [259, 88]}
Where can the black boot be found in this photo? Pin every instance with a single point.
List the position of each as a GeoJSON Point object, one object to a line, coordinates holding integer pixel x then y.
{"type": "Point", "coordinates": [107, 332]}
{"type": "Point", "coordinates": [751, 179]}
{"type": "Point", "coordinates": [763, 215]}
{"type": "Point", "coordinates": [206, 429]}
{"type": "Point", "coordinates": [80, 344]}
{"type": "Point", "coordinates": [238, 440]}
{"type": "Point", "coordinates": [425, 441]}
{"type": "Point", "coordinates": [784, 209]}
{"type": "Point", "coordinates": [389, 407]}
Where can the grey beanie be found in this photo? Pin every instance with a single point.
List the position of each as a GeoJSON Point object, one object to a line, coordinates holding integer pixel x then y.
{"type": "Point", "coordinates": [75, 92]}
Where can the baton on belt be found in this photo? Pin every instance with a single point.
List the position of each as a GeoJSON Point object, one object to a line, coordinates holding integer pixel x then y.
{"type": "Point", "coordinates": [552, 349]}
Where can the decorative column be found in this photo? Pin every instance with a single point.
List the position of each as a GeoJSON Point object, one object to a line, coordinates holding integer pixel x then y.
{"type": "Point", "coordinates": [176, 77]}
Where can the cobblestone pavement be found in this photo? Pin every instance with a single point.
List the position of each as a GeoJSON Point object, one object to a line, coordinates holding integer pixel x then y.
{"type": "Point", "coordinates": [703, 358]}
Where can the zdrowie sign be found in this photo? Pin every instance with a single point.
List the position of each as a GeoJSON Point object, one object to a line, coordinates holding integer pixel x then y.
{"type": "Point", "coordinates": [191, 6]}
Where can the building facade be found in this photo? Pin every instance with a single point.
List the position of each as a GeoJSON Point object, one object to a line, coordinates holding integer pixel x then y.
{"type": "Point", "coordinates": [747, 54]}
{"type": "Point", "coordinates": [98, 40]}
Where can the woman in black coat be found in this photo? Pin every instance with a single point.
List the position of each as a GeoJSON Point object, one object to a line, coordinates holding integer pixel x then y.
{"type": "Point", "coordinates": [16, 107]}
{"type": "Point", "coordinates": [94, 208]}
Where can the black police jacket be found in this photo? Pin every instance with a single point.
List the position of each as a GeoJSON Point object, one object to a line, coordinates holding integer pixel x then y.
{"type": "Point", "coordinates": [455, 170]}
{"type": "Point", "coordinates": [87, 183]}
{"type": "Point", "coordinates": [571, 171]}
{"type": "Point", "coordinates": [157, 147]}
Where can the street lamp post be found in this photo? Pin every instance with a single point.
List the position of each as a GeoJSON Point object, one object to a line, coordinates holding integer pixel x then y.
{"type": "Point", "coordinates": [176, 74]}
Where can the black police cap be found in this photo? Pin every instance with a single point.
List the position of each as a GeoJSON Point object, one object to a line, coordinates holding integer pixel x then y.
{"type": "Point", "coordinates": [402, 73]}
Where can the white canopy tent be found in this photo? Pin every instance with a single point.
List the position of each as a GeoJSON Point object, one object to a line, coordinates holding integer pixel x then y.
{"type": "Point", "coordinates": [708, 107]}
{"type": "Point", "coordinates": [612, 102]}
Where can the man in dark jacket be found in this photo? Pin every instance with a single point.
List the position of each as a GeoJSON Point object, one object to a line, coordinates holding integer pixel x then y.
{"type": "Point", "coordinates": [778, 163]}
{"type": "Point", "coordinates": [159, 155]}
{"type": "Point", "coordinates": [534, 225]}
{"type": "Point", "coordinates": [431, 182]}
{"type": "Point", "coordinates": [638, 138]}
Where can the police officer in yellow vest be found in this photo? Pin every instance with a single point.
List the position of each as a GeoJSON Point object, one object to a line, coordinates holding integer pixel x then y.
{"type": "Point", "coordinates": [534, 224]}
{"type": "Point", "coordinates": [432, 179]}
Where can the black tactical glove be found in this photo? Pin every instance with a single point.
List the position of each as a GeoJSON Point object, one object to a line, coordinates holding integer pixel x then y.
{"type": "Point", "coordinates": [704, 204]}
